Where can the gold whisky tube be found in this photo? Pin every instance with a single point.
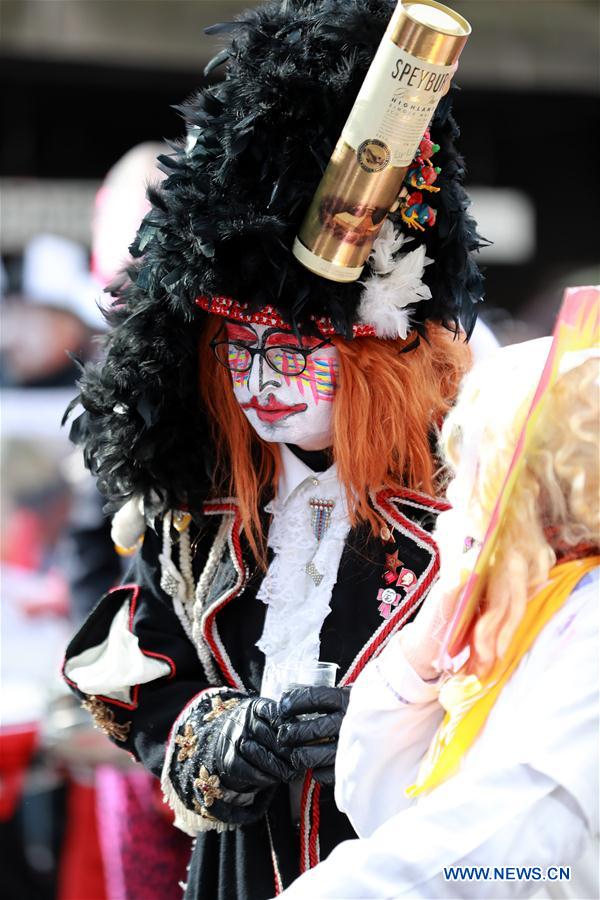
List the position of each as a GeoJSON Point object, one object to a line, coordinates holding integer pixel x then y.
{"type": "Point", "coordinates": [410, 73]}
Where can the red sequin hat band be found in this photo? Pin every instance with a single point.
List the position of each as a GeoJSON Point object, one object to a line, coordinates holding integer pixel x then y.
{"type": "Point", "coordinates": [268, 315]}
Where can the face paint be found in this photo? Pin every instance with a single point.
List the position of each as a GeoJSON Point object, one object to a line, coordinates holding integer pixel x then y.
{"type": "Point", "coordinates": [320, 378]}
{"type": "Point", "coordinates": [237, 359]}
{"type": "Point", "coordinates": [285, 407]}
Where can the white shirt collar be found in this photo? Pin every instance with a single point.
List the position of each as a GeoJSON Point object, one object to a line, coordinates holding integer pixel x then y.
{"type": "Point", "coordinates": [295, 473]}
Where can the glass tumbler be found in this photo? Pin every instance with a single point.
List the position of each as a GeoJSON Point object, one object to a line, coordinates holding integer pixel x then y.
{"type": "Point", "coordinates": [281, 677]}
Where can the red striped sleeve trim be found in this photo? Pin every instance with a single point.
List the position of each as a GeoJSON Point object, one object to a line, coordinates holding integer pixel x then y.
{"type": "Point", "coordinates": [135, 690]}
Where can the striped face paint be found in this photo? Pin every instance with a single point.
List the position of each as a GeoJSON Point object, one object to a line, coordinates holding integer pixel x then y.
{"type": "Point", "coordinates": [319, 377]}
{"type": "Point", "coordinates": [238, 359]}
{"type": "Point", "coordinates": [293, 405]}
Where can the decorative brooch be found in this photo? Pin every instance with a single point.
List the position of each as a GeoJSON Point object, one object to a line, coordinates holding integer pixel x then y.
{"type": "Point", "coordinates": [219, 706]}
{"type": "Point", "coordinates": [388, 599]}
{"type": "Point", "coordinates": [320, 515]}
{"type": "Point", "coordinates": [404, 579]}
{"type": "Point", "coordinates": [104, 719]}
{"type": "Point", "coordinates": [187, 742]}
{"type": "Point", "coordinates": [181, 520]}
{"type": "Point", "coordinates": [320, 520]}
{"type": "Point", "coordinates": [392, 564]}
{"type": "Point", "coordinates": [209, 786]}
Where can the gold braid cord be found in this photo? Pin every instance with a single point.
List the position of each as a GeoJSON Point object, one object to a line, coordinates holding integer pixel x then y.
{"type": "Point", "coordinates": [104, 719]}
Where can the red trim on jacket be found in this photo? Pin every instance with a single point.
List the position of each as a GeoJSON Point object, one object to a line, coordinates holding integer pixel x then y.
{"type": "Point", "coordinates": [384, 503]}
{"type": "Point", "coordinates": [135, 690]}
{"type": "Point", "coordinates": [209, 628]}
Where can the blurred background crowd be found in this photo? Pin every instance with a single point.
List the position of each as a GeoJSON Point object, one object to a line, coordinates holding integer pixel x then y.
{"type": "Point", "coordinates": [88, 93]}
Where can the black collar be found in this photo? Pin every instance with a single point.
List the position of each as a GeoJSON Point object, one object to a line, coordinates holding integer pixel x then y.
{"type": "Point", "coordinates": [317, 460]}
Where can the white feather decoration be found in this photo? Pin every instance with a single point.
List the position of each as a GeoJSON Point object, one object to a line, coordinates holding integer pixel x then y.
{"type": "Point", "coordinates": [385, 297]}
{"type": "Point", "coordinates": [128, 524]}
{"type": "Point", "coordinates": [386, 244]}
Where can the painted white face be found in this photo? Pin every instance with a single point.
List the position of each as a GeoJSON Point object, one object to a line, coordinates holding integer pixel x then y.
{"type": "Point", "coordinates": [287, 406]}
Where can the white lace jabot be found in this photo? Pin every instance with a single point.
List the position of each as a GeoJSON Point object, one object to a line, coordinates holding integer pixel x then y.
{"type": "Point", "coordinates": [296, 605]}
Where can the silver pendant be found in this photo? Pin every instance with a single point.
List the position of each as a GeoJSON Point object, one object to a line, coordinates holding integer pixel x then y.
{"type": "Point", "coordinates": [314, 573]}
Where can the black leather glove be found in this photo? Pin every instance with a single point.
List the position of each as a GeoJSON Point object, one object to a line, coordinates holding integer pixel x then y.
{"type": "Point", "coordinates": [247, 753]}
{"type": "Point", "coordinates": [313, 742]}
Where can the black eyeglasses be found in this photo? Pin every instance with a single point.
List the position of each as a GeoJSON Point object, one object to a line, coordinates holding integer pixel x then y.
{"type": "Point", "coordinates": [239, 357]}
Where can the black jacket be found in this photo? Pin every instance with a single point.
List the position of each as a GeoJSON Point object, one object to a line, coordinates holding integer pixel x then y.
{"type": "Point", "coordinates": [249, 848]}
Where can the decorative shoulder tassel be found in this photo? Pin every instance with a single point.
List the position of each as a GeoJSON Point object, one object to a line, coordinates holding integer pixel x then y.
{"type": "Point", "coordinates": [128, 526]}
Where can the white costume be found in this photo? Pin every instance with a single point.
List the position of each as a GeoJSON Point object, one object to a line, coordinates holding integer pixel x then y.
{"type": "Point", "coordinates": [526, 794]}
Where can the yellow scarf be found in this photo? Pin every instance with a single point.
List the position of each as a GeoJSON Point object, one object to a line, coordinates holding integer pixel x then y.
{"type": "Point", "coordinates": [468, 701]}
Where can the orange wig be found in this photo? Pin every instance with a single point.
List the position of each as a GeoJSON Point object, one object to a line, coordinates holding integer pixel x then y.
{"type": "Point", "coordinates": [388, 404]}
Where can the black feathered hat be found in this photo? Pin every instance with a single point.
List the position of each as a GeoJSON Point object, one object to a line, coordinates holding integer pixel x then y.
{"type": "Point", "coordinates": [221, 230]}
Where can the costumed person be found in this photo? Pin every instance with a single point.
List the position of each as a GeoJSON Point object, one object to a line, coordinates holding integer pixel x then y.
{"type": "Point", "coordinates": [266, 437]}
{"type": "Point", "coordinates": [502, 757]}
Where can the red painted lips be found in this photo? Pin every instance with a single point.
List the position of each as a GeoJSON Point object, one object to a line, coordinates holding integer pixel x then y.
{"type": "Point", "coordinates": [272, 411]}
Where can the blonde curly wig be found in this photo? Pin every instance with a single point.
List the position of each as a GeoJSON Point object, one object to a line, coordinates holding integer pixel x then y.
{"type": "Point", "coordinates": [555, 506]}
